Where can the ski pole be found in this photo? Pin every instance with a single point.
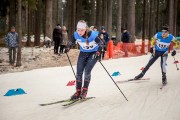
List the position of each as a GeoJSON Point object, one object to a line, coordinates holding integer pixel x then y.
{"type": "Point", "coordinates": [175, 63]}
{"type": "Point", "coordinates": [113, 81]}
{"type": "Point", "coordinates": [71, 65]}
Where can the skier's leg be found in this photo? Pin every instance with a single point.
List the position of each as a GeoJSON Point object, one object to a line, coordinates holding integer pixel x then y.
{"type": "Point", "coordinates": [87, 77]}
{"type": "Point", "coordinates": [163, 68]}
{"type": "Point", "coordinates": [151, 61]}
{"type": "Point", "coordinates": [80, 68]}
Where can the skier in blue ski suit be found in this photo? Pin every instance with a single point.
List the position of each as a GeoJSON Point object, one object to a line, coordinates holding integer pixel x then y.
{"type": "Point", "coordinates": [90, 48]}
{"type": "Point", "coordinates": [159, 48]}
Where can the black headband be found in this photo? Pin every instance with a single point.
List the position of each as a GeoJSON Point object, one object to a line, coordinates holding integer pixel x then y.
{"type": "Point", "coordinates": [165, 28]}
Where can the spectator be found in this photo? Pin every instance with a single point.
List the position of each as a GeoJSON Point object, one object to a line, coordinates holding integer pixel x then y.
{"type": "Point", "coordinates": [103, 44]}
{"type": "Point", "coordinates": [47, 42]}
{"type": "Point", "coordinates": [64, 39]}
{"type": "Point", "coordinates": [91, 28]}
{"type": "Point", "coordinates": [106, 36]}
{"type": "Point", "coordinates": [125, 39]}
{"type": "Point", "coordinates": [12, 43]}
{"type": "Point", "coordinates": [57, 38]}
{"type": "Point", "coordinates": [106, 39]}
{"type": "Point", "coordinates": [95, 28]}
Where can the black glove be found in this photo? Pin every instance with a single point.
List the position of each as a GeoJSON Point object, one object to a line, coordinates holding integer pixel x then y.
{"type": "Point", "coordinates": [173, 53]}
{"type": "Point", "coordinates": [151, 50]}
{"type": "Point", "coordinates": [66, 50]}
{"type": "Point", "coordinates": [96, 55]}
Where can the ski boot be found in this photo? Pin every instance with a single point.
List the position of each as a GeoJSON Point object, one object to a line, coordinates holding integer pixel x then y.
{"type": "Point", "coordinates": [164, 80]}
{"type": "Point", "coordinates": [76, 95]}
{"type": "Point", "coordinates": [83, 93]}
{"type": "Point", "coordinates": [139, 76]}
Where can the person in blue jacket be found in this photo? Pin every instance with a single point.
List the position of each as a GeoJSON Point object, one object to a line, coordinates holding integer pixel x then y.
{"type": "Point", "coordinates": [159, 48]}
{"type": "Point", "coordinates": [90, 48]}
{"type": "Point", "coordinates": [12, 43]}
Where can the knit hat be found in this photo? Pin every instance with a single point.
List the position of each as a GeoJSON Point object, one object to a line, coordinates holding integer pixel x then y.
{"type": "Point", "coordinates": [12, 27]}
{"type": "Point", "coordinates": [123, 29]}
{"type": "Point", "coordinates": [81, 25]}
{"type": "Point", "coordinates": [103, 28]}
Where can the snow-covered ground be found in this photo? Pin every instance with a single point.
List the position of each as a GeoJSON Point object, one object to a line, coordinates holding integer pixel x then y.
{"type": "Point", "coordinates": [145, 99]}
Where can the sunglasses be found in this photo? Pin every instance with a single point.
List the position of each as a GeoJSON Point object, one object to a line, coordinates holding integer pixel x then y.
{"type": "Point", "coordinates": [164, 31]}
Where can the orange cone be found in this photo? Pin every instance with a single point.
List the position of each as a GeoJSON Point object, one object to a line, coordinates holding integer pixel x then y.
{"type": "Point", "coordinates": [110, 48]}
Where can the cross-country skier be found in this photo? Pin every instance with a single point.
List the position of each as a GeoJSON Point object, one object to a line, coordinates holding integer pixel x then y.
{"type": "Point", "coordinates": [159, 48]}
{"type": "Point", "coordinates": [90, 48]}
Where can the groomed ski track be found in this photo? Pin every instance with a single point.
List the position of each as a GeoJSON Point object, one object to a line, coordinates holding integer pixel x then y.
{"type": "Point", "coordinates": [146, 100]}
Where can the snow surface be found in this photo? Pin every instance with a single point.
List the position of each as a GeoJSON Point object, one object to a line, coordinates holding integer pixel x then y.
{"type": "Point", "coordinates": [146, 100]}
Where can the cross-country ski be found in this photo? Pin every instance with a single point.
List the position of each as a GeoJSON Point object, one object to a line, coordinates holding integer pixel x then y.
{"type": "Point", "coordinates": [77, 101]}
{"type": "Point", "coordinates": [131, 80]}
{"type": "Point", "coordinates": [56, 102]}
{"type": "Point", "coordinates": [67, 102]}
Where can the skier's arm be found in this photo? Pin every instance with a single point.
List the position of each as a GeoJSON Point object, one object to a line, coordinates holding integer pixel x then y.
{"type": "Point", "coordinates": [153, 41]}
{"type": "Point", "coordinates": [98, 52]}
{"type": "Point", "coordinates": [175, 47]}
{"type": "Point", "coordinates": [70, 44]}
{"type": "Point", "coordinates": [152, 44]}
{"type": "Point", "coordinates": [176, 42]}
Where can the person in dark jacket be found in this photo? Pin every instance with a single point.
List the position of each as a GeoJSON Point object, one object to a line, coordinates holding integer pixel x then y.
{"type": "Point", "coordinates": [57, 38]}
{"type": "Point", "coordinates": [103, 43]}
{"type": "Point", "coordinates": [106, 36]}
{"type": "Point", "coordinates": [125, 39]}
{"type": "Point", "coordinates": [12, 43]}
{"type": "Point", "coordinates": [106, 39]}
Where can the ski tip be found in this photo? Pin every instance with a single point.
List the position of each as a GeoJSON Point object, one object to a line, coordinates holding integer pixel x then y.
{"type": "Point", "coordinates": [131, 79]}
{"type": "Point", "coordinates": [91, 97]}
{"type": "Point", "coordinates": [163, 85]}
{"type": "Point", "coordinates": [42, 104]}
